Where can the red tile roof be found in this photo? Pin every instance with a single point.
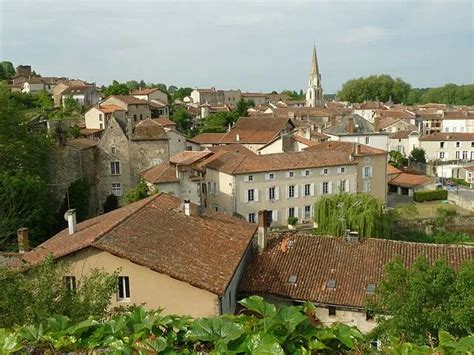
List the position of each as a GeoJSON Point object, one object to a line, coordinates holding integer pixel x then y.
{"type": "Point", "coordinates": [130, 100]}
{"type": "Point", "coordinates": [208, 138]}
{"type": "Point", "coordinates": [411, 180]}
{"type": "Point", "coordinates": [346, 147]}
{"type": "Point", "coordinates": [442, 136]}
{"type": "Point", "coordinates": [469, 168]}
{"type": "Point", "coordinates": [189, 157]}
{"type": "Point", "coordinates": [81, 143]}
{"type": "Point", "coordinates": [203, 251]}
{"type": "Point", "coordinates": [307, 142]}
{"type": "Point", "coordinates": [391, 170]}
{"type": "Point", "coordinates": [110, 108]}
{"type": "Point", "coordinates": [149, 130]}
{"type": "Point", "coordinates": [401, 134]}
{"type": "Point", "coordinates": [165, 122]}
{"type": "Point", "coordinates": [161, 173]}
{"type": "Point", "coordinates": [316, 259]}
{"type": "Point", "coordinates": [145, 91]}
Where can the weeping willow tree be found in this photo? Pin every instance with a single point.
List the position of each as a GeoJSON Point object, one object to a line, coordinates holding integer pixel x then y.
{"type": "Point", "coordinates": [361, 213]}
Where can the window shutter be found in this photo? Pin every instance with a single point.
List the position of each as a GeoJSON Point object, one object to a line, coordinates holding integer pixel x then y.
{"type": "Point", "coordinates": [267, 177]}
{"type": "Point", "coordinates": [311, 189]}
{"type": "Point", "coordinates": [287, 174]}
{"type": "Point", "coordinates": [297, 188]}
{"type": "Point", "coordinates": [321, 189]}
{"type": "Point", "coordinates": [296, 212]}
{"type": "Point", "coordinates": [275, 215]}
{"type": "Point", "coordinates": [370, 173]}
{"type": "Point", "coordinates": [330, 187]}
{"type": "Point", "coordinates": [348, 186]}
{"type": "Point", "coordinates": [246, 178]}
{"type": "Point", "coordinates": [338, 169]}
{"type": "Point", "coordinates": [277, 193]}
{"type": "Point", "coordinates": [246, 197]}
{"type": "Point", "coordinates": [303, 172]}
{"type": "Point", "coordinates": [321, 171]}
{"type": "Point", "coordinates": [287, 191]}
{"type": "Point", "coordinates": [255, 193]}
{"type": "Point", "coordinates": [267, 194]}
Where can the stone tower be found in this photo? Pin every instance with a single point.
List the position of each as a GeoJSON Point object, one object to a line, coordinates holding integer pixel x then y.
{"type": "Point", "coordinates": [314, 93]}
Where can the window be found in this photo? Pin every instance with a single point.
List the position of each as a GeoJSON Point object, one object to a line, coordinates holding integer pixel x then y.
{"type": "Point", "coordinates": [291, 191]}
{"type": "Point", "coordinates": [367, 140]}
{"type": "Point", "coordinates": [251, 217]}
{"type": "Point", "coordinates": [464, 155]}
{"type": "Point", "coordinates": [291, 174]}
{"type": "Point", "coordinates": [332, 311]}
{"type": "Point", "coordinates": [70, 283]}
{"type": "Point", "coordinates": [271, 176]}
{"type": "Point", "coordinates": [271, 193]}
{"type": "Point", "coordinates": [307, 212]}
{"type": "Point", "coordinates": [458, 144]}
{"type": "Point", "coordinates": [135, 118]}
{"type": "Point", "coordinates": [371, 288]}
{"type": "Point", "coordinates": [367, 171]}
{"type": "Point", "coordinates": [367, 186]}
{"type": "Point", "coordinates": [123, 292]}
{"type": "Point", "coordinates": [115, 168]}
{"type": "Point", "coordinates": [251, 195]}
{"type": "Point", "coordinates": [441, 155]}
{"type": "Point", "coordinates": [462, 129]}
{"type": "Point", "coordinates": [250, 178]}
{"type": "Point", "coordinates": [441, 145]}
{"type": "Point", "coordinates": [324, 171]}
{"type": "Point", "coordinates": [117, 189]}
{"type": "Point", "coordinates": [446, 129]}
{"type": "Point", "coordinates": [458, 154]}
{"type": "Point", "coordinates": [341, 170]}
{"type": "Point", "coordinates": [369, 315]}
{"type": "Point", "coordinates": [454, 129]}
{"type": "Point", "coordinates": [342, 185]}
{"type": "Point", "coordinates": [113, 150]}
{"type": "Point", "coordinates": [307, 173]}
{"type": "Point", "coordinates": [331, 284]}
{"type": "Point", "coordinates": [291, 211]}
{"type": "Point", "coordinates": [325, 187]}
{"type": "Point", "coordinates": [100, 117]}
{"type": "Point", "coordinates": [101, 126]}
{"type": "Point", "coordinates": [307, 189]}
{"type": "Point", "coordinates": [472, 144]}
{"type": "Point", "coordinates": [141, 117]}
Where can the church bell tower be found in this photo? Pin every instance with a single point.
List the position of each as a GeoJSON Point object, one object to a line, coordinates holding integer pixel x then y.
{"type": "Point", "coordinates": [314, 93]}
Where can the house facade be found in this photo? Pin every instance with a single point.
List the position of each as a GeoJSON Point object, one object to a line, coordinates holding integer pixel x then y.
{"type": "Point", "coordinates": [448, 146]}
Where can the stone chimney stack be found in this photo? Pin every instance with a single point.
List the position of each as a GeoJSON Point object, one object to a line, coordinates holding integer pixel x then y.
{"type": "Point", "coordinates": [262, 232]}
{"type": "Point", "coordinates": [187, 208]}
{"type": "Point", "coordinates": [23, 240]}
{"type": "Point", "coordinates": [350, 125]}
{"type": "Point", "coordinates": [307, 133]}
{"type": "Point", "coordinates": [70, 217]}
{"type": "Point", "coordinates": [377, 124]}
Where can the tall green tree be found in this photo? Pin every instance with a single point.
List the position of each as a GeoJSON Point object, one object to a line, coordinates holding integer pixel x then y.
{"type": "Point", "coordinates": [138, 193]}
{"type": "Point", "coordinates": [183, 120]}
{"type": "Point", "coordinates": [418, 155]}
{"type": "Point", "coordinates": [415, 304]}
{"type": "Point", "coordinates": [116, 88]}
{"type": "Point", "coordinates": [181, 93]}
{"type": "Point", "coordinates": [218, 122]}
{"type": "Point", "coordinates": [8, 69]}
{"type": "Point", "coordinates": [243, 106]}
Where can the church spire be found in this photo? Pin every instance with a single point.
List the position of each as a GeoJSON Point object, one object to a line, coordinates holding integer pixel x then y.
{"type": "Point", "coordinates": [314, 64]}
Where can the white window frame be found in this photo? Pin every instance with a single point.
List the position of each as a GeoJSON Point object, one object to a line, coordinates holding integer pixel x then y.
{"type": "Point", "coordinates": [124, 288]}
{"type": "Point", "coordinates": [291, 191]}
{"type": "Point", "coordinates": [115, 168]}
{"type": "Point", "coordinates": [458, 154]}
{"type": "Point", "coordinates": [307, 190]}
{"type": "Point", "coordinates": [367, 172]}
{"type": "Point", "coordinates": [441, 155]}
{"type": "Point", "coordinates": [307, 212]}
{"type": "Point", "coordinates": [251, 218]}
{"type": "Point", "coordinates": [250, 195]}
{"type": "Point", "coordinates": [342, 186]}
{"type": "Point", "coordinates": [325, 187]}
{"type": "Point", "coordinates": [367, 186]}
{"type": "Point", "coordinates": [117, 189]}
{"type": "Point", "coordinates": [70, 283]}
{"type": "Point", "coordinates": [272, 193]}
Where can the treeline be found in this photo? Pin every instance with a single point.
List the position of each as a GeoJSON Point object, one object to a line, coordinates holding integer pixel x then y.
{"type": "Point", "coordinates": [384, 88]}
{"type": "Point", "coordinates": [117, 88]}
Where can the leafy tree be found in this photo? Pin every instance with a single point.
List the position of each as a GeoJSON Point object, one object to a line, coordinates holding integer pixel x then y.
{"type": "Point", "coordinates": [293, 95]}
{"type": "Point", "coordinates": [116, 89]}
{"type": "Point", "coordinates": [70, 105]}
{"type": "Point", "coordinates": [44, 100]}
{"type": "Point", "coordinates": [397, 159]}
{"type": "Point", "coordinates": [181, 93]}
{"type": "Point", "coordinates": [183, 120]}
{"type": "Point", "coordinates": [76, 197]}
{"type": "Point", "coordinates": [8, 70]}
{"type": "Point", "coordinates": [139, 192]}
{"type": "Point", "coordinates": [243, 106]}
{"type": "Point", "coordinates": [424, 300]}
{"type": "Point", "coordinates": [3, 75]}
{"type": "Point", "coordinates": [74, 131]}
{"type": "Point", "coordinates": [418, 155]}
{"type": "Point", "coordinates": [362, 213]}
{"type": "Point", "coordinates": [40, 293]}
{"type": "Point", "coordinates": [111, 203]}
{"type": "Point", "coordinates": [218, 122]}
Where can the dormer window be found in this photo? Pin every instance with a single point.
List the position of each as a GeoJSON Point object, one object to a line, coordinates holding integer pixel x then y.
{"type": "Point", "coordinates": [371, 288]}
{"type": "Point", "coordinates": [331, 284]}
{"type": "Point", "coordinates": [292, 279]}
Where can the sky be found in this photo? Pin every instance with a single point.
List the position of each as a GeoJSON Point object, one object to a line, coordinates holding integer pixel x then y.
{"type": "Point", "coordinates": [257, 46]}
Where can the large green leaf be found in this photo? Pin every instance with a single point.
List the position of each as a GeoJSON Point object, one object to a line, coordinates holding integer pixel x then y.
{"type": "Point", "coordinates": [259, 306]}
{"type": "Point", "coordinates": [291, 317]}
{"type": "Point", "coordinates": [219, 331]}
{"type": "Point", "coordinates": [264, 343]}
{"type": "Point", "coordinates": [8, 342]}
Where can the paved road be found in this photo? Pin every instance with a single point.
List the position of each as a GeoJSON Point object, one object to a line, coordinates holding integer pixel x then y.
{"type": "Point", "coordinates": [463, 192]}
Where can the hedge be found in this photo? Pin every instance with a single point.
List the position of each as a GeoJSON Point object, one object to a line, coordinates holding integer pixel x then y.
{"type": "Point", "coordinates": [430, 195]}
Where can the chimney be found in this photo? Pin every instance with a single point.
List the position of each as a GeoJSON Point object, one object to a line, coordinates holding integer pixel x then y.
{"type": "Point", "coordinates": [351, 237]}
{"type": "Point", "coordinates": [307, 134]}
{"type": "Point", "coordinates": [187, 208]}
{"type": "Point", "coordinates": [377, 124]}
{"type": "Point", "coordinates": [262, 230]}
{"type": "Point", "coordinates": [350, 125]}
{"type": "Point", "coordinates": [70, 217]}
{"type": "Point", "coordinates": [23, 241]}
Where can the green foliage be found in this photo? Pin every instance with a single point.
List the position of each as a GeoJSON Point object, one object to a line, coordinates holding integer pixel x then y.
{"type": "Point", "coordinates": [7, 70]}
{"type": "Point", "coordinates": [434, 195]}
{"type": "Point", "coordinates": [218, 122]}
{"type": "Point", "coordinates": [111, 203]}
{"type": "Point", "coordinates": [139, 192]}
{"type": "Point", "coordinates": [74, 131]}
{"type": "Point", "coordinates": [70, 105]}
{"type": "Point", "coordinates": [183, 120]}
{"type": "Point", "coordinates": [179, 94]}
{"type": "Point", "coordinates": [397, 159]}
{"type": "Point", "coordinates": [33, 296]}
{"type": "Point", "coordinates": [418, 155]}
{"type": "Point", "coordinates": [424, 300]}
{"type": "Point", "coordinates": [293, 95]}
{"type": "Point", "coordinates": [78, 199]}
{"type": "Point", "coordinates": [292, 221]}
{"type": "Point", "coordinates": [115, 88]}
{"type": "Point", "coordinates": [375, 88]}
{"type": "Point", "coordinates": [362, 213]}
{"type": "Point", "coordinates": [243, 106]}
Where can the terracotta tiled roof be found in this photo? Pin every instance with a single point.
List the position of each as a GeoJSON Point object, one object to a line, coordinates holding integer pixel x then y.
{"type": "Point", "coordinates": [455, 115]}
{"type": "Point", "coordinates": [360, 126]}
{"type": "Point", "coordinates": [307, 142]}
{"type": "Point", "coordinates": [161, 173]}
{"type": "Point", "coordinates": [369, 106]}
{"type": "Point", "coordinates": [256, 129]}
{"type": "Point", "coordinates": [203, 251]}
{"type": "Point", "coordinates": [81, 143]}
{"type": "Point", "coordinates": [400, 114]}
{"type": "Point", "coordinates": [149, 130]}
{"type": "Point", "coordinates": [430, 116]}
{"type": "Point", "coordinates": [411, 180]}
{"type": "Point", "coordinates": [165, 122]}
{"type": "Point", "coordinates": [234, 163]}
{"type": "Point", "coordinates": [391, 170]}
{"type": "Point", "coordinates": [110, 108]}
{"type": "Point", "coordinates": [130, 100]}
{"type": "Point", "coordinates": [315, 260]}
{"type": "Point", "coordinates": [145, 91]}
{"type": "Point", "coordinates": [236, 148]}
{"type": "Point", "coordinates": [189, 157]}
{"type": "Point", "coordinates": [400, 134]}
{"type": "Point", "coordinates": [76, 89]}
{"type": "Point", "coordinates": [469, 168]}
{"type": "Point", "coordinates": [346, 147]}
{"type": "Point", "coordinates": [208, 138]}
{"type": "Point", "coordinates": [442, 136]}
{"type": "Point", "coordinates": [87, 131]}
